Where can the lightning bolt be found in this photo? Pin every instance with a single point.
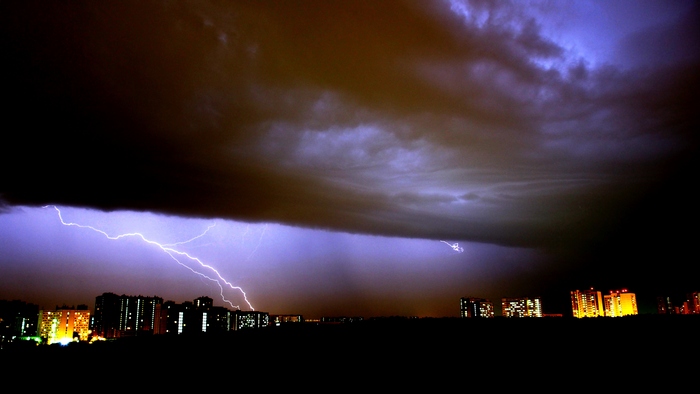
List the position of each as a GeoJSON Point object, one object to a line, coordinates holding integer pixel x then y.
{"type": "Point", "coordinates": [454, 246]}
{"type": "Point", "coordinates": [184, 242]}
{"type": "Point", "coordinates": [175, 254]}
{"type": "Point", "coordinates": [259, 242]}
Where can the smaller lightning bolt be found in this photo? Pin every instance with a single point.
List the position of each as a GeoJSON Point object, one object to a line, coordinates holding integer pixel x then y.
{"type": "Point", "coordinates": [174, 254]}
{"type": "Point", "coordinates": [193, 238]}
{"type": "Point", "coordinates": [454, 246]}
{"type": "Point", "coordinates": [259, 242]}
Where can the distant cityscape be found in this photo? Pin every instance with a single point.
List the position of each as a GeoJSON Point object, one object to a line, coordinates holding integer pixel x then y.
{"type": "Point", "coordinates": [584, 303]}
{"type": "Point", "coordinates": [119, 316]}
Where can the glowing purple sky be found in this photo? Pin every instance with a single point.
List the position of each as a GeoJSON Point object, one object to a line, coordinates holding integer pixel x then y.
{"type": "Point", "coordinates": [282, 269]}
{"type": "Point", "coordinates": [335, 147]}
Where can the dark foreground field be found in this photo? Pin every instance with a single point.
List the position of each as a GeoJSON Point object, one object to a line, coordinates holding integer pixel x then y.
{"type": "Point", "coordinates": [636, 349]}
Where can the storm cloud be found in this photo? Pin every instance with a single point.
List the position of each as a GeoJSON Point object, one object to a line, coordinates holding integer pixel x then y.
{"type": "Point", "coordinates": [427, 119]}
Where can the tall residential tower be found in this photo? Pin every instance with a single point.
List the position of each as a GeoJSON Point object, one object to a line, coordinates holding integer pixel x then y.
{"type": "Point", "coordinates": [521, 307]}
{"type": "Point", "coordinates": [475, 307]}
{"type": "Point", "coordinates": [620, 303]}
{"type": "Point", "coordinates": [587, 303]}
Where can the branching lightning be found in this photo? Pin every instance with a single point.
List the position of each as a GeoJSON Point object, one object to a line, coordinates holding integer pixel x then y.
{"type": "Point", "coordinates": [454, 246]}
{"type": "Point", "coordinates": [175, 255]}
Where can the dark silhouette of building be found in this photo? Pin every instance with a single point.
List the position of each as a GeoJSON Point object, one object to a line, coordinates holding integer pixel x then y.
{"type": "Point", "coordinates": [18, 319]}
{"type": "Point", "coordinates": [679, 305]}
{"type": "Point", "coordinates": [476, 307]}
{"type": "Point", "coordinates": [664, 306]}
{"type": "Point", "coordinates": [123, 316]}
{"type": "Point", "coordinates": [191, 317]}
{"type": "Point", "coordinates": [210, 318]}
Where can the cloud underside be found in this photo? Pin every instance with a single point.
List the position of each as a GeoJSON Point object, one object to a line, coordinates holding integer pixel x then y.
{"type": "Point", "coordinates": [406, 119]}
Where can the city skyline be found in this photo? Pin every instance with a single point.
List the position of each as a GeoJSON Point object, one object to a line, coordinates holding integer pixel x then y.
{"type": "Point", "coordinates": [586, 303]}
{"type": "Point", "coordinates": [126, 316]}
{"type": "Point", "coordinates": [368, 158]}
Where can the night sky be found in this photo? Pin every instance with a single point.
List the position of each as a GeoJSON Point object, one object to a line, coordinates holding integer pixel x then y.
{"type": "Point", "coordinates": [349, 158]}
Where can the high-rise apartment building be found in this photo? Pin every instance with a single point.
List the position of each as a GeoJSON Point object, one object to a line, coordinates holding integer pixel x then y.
{"type": "Point", "coordinates": [210, 318]}
{"type": "Point", "coordinates": [64, 325]}
{"type": "Point", "coordinates": [173, 317]}
{"type": "Point", "coordinates": [620, 303]}
{"type": "Point", "coordinates": [521, 307]}
{"type": "Point", "coordinates": [664, 305]}
{"type": "Point", "coordinates": [694, 303]}
{"type": "Point", "coordinates": [587, 303]}
{"type": "Point", "coordinates": [18, 319]}
{"type": "Point", "coordinates": [250, 319]}
{"type": "Point", "coordinates": [679, 305]}
{"type": "Point", "coordinates": [118, 316]}
{"type": "Point", "coordinates": [476, 307]}
{"type": "Point", "coordinates": [198, 316]}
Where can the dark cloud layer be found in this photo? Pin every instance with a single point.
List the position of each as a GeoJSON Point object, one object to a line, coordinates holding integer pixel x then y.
{"type": "Point", "coordinates": [411, 119]}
